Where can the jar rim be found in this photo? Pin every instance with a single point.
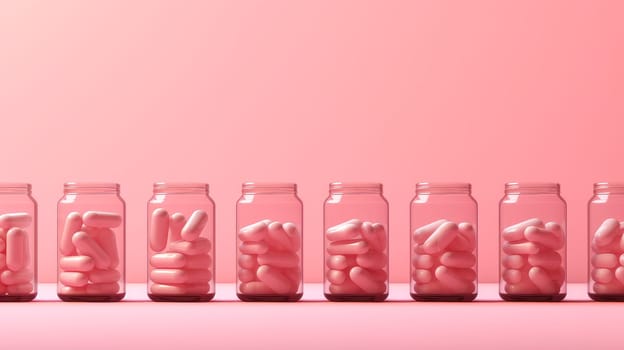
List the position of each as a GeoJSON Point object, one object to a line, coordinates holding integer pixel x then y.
{"type": "Point", "coordinates": [609, 187]}
{"type": "Point", "coordinates": [532, 187]}
{"type": "Point", "coordinates": [91, 187]}
{"type": "Point", "coordinates": [251, 187]}
{"type": "Point", "coordinates": [355, 187]}
{"type": "Point", "coordinates": [15, 187]}
{"type": "Point", "coordinates": [443, 187]}
{"type": "Point", "coordinates": [163, 187]}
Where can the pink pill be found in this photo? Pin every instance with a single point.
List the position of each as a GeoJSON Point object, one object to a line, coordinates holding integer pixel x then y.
{"type": "Point", "coordinates": [255, 232]}
{"type": "Point", "coordinates": [194, 225]}
{"type": "Point", "coordinates": [619, 274]}
{"type": "Point", "coordinates": [348, 247]}
{"type": "Point", "coordinates": [460, 244]}
{"type": "Point", "coordinates": [20, 289]}
{"type": "Point", "coordinates": [246, 275]}
{"type": "Point", "coordinates": [293, 235]}
{"type": "Point", "coordinates": [255, 287]}
{"type": "Point", "coordinates": [423, 261]}
{"type": "Point", "coordinates": [558, 275]}
{"type": "Point", "coordinates": [74, 279]}
{"type": "Point", "coordinates": [201, 245]}
{"type": "Point", "coordinates": [279, 259]}
{"type": "Point", "coordinates": [366, 281]}
{"type": "Point", "coordinates": [379, 275]}
{"type": "Point", "coordinates": [340, 262]}
{"type": "Point", "coordinates": [514, 261]}
{"type": "Point", "coordinates": [622, 259]}
{"type": "Point", "coordinates": [254, 248]}
{"type": "Point", "coordinates": [277, 237]}
{"type": "Point", "coordinates": [609, 288]}
{"type": "Point", "coordinates": [21, 220]}
{"type": "Point", "coordinates": [421, 234]}
{"type": "Point", "coordinates": [247, 261]}
{"type": "Point", "coordinates": [202, 261]}
{"type": "Point", "coordinates": [336, 276]}
{"type": "Point", "coordinates": [65, 290]}
{"type": "Point", "coordinates": [88, 246]}
{"type": "Point", "coordinates": [9, 277]}
{"type": "Point", "coordinates": [378, 240]}
{"type": "Point", "coordinates": [458, 259]}
{"type": "Point", "coordinates": [605, 260]}
{"type": "Point", "coordinates": [512, 276]}
{"type": "Point", "coordinates": [180, 276]}
{"type": "Point", "coordinates": [432, 288]}
{"type": "Point", "coordinates": [372, 260]}
{"type": "Point", "coordinates": [101, 219]}
{"type": "Point", "coordinates": [467, 231]}
{"type": "Point", "coordinates": [168, 260]}
{"type": "Point", "coordinates": [180, 289]}
{"type": "Point", "coordinates": [525, 287]}
{"type": "Point", "coordinates": [543, 281]}
{"type": "Point", "coordinates": [525, 248]}
{"type": "Point", "coordinates": [608, 231]}
{"type": "Point", "coordinates": [602, 275]}
{"type": "Point", "coordinates": [418, 249]}
{"type": "Point", "coordinates": [294, 275]}
{"type": "Point", "coordinates": [102, 289]}
{"type": "Point", "coordinates": [547, 259]}
{"type": "Point", "coordinates": [17, 252]}
{"type": "Point", "coordinates": [466, 274]}
{"type": "Point", "coordinates": [106, 238]}
{"type": "Point", "coordinates": [274, 279]}
{"type": "Point", "coordinates": [515, 232]}
{"type": "Point", "coordinates": [347, 287]}
{"type": "Point", "coordinates": [104, 276]}
{"type": "Point", "coordinates": [176, 223]}
{"type": "Point", "coordinates": [159, 229]}
{"type": "Point", "coordinates": [345, 231]}
{"type": "Point", "coordinates": [77, 263]}
{"type": "Point", "coordinates": [441, 238]}
{"type": "Point", "coordinates": [73, 223]}
{"type": "Point", "coordinates": [422, 276]}
{"type": "Point", "coordinates": [452, 281]}
{"type": "Point", "coordinates": [550, 239]}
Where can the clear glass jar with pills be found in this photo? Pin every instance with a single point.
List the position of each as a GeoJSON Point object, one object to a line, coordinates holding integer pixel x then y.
{"type": "Point", "coordinates": [356, 230]}
{"type": "Point", "coordinates": [606, 242]}
{"type": "Point", "coordinates": [269, 226]}
{"type": "Point", "coordinates": [91, 242]}
{"type": "Point", "coordinates": [532, 224]}
{"type": "Point", "coordinates": [443, 228]}
{"type": "Point", "coordinates": [181, 232]}
{"type": "Point", "coordinates": [18, 242]}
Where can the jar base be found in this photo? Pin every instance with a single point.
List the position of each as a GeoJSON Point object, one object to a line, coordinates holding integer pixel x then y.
{"type": "Point", "coordinates": [606, 297]}
{"type": "Point", "coordinates": [10, 298]}
{"type": "Point", "coordinates": [355, 297]}
{"type": "Point", "coordinates": [440, 297]}
{"type": "Point", "coordinates": [181, 298]}
{"type": "Point", "coordinates": [94, 298]}
{"type": "Point", "coordinates": [532, 297]}
{"type": "Point", "coordinates": [269, 297]}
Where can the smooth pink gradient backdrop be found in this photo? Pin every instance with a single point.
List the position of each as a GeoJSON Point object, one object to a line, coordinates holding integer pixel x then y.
{"type": "Point", "coordinates": [312, 91]}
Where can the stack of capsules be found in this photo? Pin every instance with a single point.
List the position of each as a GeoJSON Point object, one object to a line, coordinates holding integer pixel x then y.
{"type": "Point", "coordinates": [16, 271]}
{"type": "Point", "coordinates": [607, 261]}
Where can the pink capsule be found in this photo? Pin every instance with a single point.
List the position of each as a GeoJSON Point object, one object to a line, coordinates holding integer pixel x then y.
{"type": "Point", "coordinates": [255, 232]}
{"type": "Point", "coordinates": [608, 231]}
{"type": "Point", "coordinates": [201, 261]}
{"type": "Point", "coordinates": [514, 261]}
{"type": "Point", "coordinates": [65, 290]}
{"type": "Point", "coordinates": [380, 240]}
{"type": "Point", "coordinates": [441, 238]}
{"type": "Point", "coordinates": [201, 245]}
{"type": "Point", "coordinates": [247, 261]}
{"type": "Point", "coordinates": [279, 259]}
{"type": "Point", "coordinates": [347, 287]}
{"type": "Point", "coordinates": [336, 276]}
{"type": "Point", "coordinates": [20, 289]}
{"type": "Point", "coordinates": [613, 287]}
{"type": "Point", "coordinates": [466, 274]}
{"type": "Point", "coordinates": [21, 220]}
{"type": "Point", "coordinates": [602, 275]}
{"type": "Point", "coordinates": [101, 219]}
{"type": "Point", "coordinates": [458, 259]}
{"type": "Point", "coordinates": [366, 281]}
{"type": "Point", "coordinates": [619, 274]}
{"type": "Point", "coordinates": [348, 247]}
{"type": "Point", "coordinates": [551, 239]}
{"type": "Point", "coordinates": [88, 246]}
{"type": "Point", "coordinates": [293, 235]}
{"type": "Point", "coordinates": [340, 262]}
{"type": "Point", "coordinates": [423, 261]}
{"type": "Point", "coordinates": [159, 229]}
{"type": "Point", "coordinates": [512, 276]}
{"type": "Point", "coordinates": [77, 263]}
{"type": "Point", "coordinates": [422, 276]}
{"type": "Point", "coordinates": [294, 275]}
{"type": "Point", "coordinates": [176, 223]}
{"type": "Point", "coordinates": [274, 279]}
{"type": "Point", "coordinates": [102, 288]}
{"type": "Point", "coordinates": [452, 281]}
{"type": "Point", "coordinates": [421, 234]}
{"type": "Point", "coordinates": [104, 276]}
{"type": "Point", "coordinates": [106, 238]}
{"type": "Point", "coordinates": [180, 289]}
{"type": "Point", "coordinates": [379, 275]}
{"type": "Point", "coordinates": [16, 277]}
{"type": "Point", "coordinates": [372, 260]}
{"type": "Point", "coordinates": [179, 276]}
{"type": "Point", "coordinates": [432, 288]}
{"type": "Point", "coordinates": [547, 259]}
{"type": "Point", "coordinates": [73, 223]}
{"type": "Point", "coordinates": [17, 253]}
{"type": "Point", "coordinates": [74, 279]}
{"type": "Point", "coordinates": [605, 260]}
{"type": "Point", "coordinates": [194, 225]}
{"type": "Point", "coordinates": [460, 244]}
{"type": "Point", "coordinates": [525, 287]}
{"type": "Point", "coordinates": [277, 237]}
{"type": "Point", "coordinates": [520, 248]}
{"type": "Point", "coordinates": [467, 231]}
{"type": "Point", "coordinates": [515, 232]}
{"type": "Point", "coordinates": [543, 281]}
{"type": "Point", "coordinates": [255, 287]}
{"type": "Point", "coordinates": [168, 260]}
{"type": "Point", "coordinates": [254, 248]}
{"type": "Point", "coordinates": [345, 231]}
{"type": "Point", "coordinates": [246, 275]}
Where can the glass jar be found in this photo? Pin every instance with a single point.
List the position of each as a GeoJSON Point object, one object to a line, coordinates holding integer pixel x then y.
{"type": "Point", "coordinates": [606, 242]}
{"type": "Point", "coordinates": [269, 226]}
{"type": "Point", "coordinates": [443, 226]}
{"type": "Point", "coordinates": [180, 244]}
{"type": "Point", "coordinates": [18, 243]}
{"type": "Point", "coordinates": [91, 242]}
{"type": "Point", "coordinates": [356, 242]}
{"type": "Point", "coordinates": [532, 221]}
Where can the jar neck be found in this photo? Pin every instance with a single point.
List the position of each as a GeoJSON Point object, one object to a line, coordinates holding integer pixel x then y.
{"type": "Point", "coordinates": [609, 187]}
{"type": "Point", "coordinates": [180, 188]}
{"type": "Point", "coordinates": [443, 188]}
{"type": "Point", "coordinates": [91, 188]}
{"type": "Point", "coordinates": [532, 188]}
{"type": "Point", "coordinates": [269, 188]}
{"type": "Point", "coordinates": [15, 188]}
{"type": "Point", "coordinates": [355, 188]}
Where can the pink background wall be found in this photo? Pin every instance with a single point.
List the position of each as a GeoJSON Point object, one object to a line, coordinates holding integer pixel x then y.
{"type": "Point", "coordinates": [312, 91]}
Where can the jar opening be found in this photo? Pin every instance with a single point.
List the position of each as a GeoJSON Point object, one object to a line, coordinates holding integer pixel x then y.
{"type": "Point", "coordinates": [443, 187]}
{"type": "Point", "coordinates": [355, 187]}
{"type": "Point", "coordinates": [532, 187]}
{"type": "Point", "coordinates": [91, 187]}
{"type": "Point", "coordinates": [608, 187]}
{"type": "Point", "coordinates": [180, 187]}
{"type": "Point", "coordinates": [15, 187]}
{"type": "Point", "coordinates": [269, 187]}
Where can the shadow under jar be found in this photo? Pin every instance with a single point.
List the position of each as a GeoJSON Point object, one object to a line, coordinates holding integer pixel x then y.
{"type": "Point", "coordinates": [356, 242]}
{"type": "Point", "coordinates": [18, 243]}
{"type": "Point", "coordinates": [443, 219]}
{"type": "Point", "coordinates": [181, 232]}
{"type": "Point", "coordinates": [606, 242]}
{"type": "Point", "coordinates": [91, 242]}
{"type": "Point", "coordinates": [532, 223]}
{"type": "Point", "coordinates": [269, 226]}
